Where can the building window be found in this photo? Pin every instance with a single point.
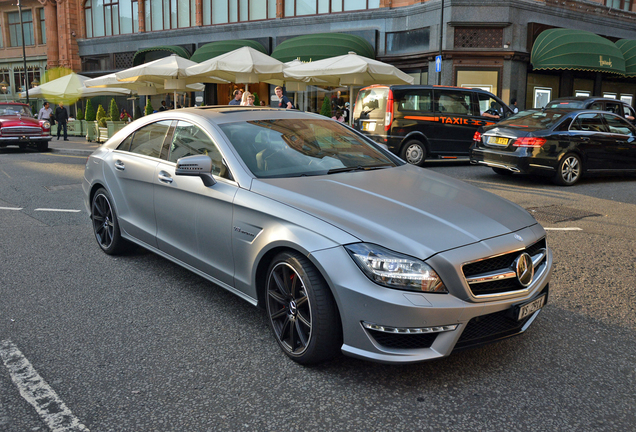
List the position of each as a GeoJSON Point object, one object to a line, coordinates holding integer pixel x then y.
{"type": "Point", "coordinates": [42, 26]}
{"type": "Point", "coordinates": [170, 14]}
{"type": "Point", "coordinates": [317, 7]}
{"type": "Point", "coordinates": [110, 17]}
{"type": "Point", "coordinates": [408, 42]}
{"type": "Point", "coordinates": [224, 11]}
{"type": "Point", "coordinates": [478, 37]}
{"type": "Point", "coordinates": [15, 34]}
{"type": "Point", "coordinates": [19, 76]}
{"type": "Point", "coordinates": [625, 5]}
{"type": "Point", "coordinates": [482, 79]}
{"type": "Point", "coordinates": [1, 40]}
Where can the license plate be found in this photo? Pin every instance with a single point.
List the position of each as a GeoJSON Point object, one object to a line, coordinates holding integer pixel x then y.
{"type": "Point", "coordinates": [368, 126]}
{"type": "Point", "coordinates": [530, 308]}
{"type": "Point", "coordinates": [497, 140]}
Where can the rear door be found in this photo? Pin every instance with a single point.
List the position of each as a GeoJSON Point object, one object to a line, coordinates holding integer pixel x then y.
{"type": "Point", "coordinates": [455, 126]}
{"type": "Point", "coordinates": [589, 134]}
{"type": "Point", "coordinates": [621, 147]}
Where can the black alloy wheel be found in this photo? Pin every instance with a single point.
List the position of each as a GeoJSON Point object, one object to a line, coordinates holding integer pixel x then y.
{"type": "Point", "coordinates": [414, 152]}
{"type": "Point", "coordinates": [301, 310]}
{"type": "Point", "coordinates": [569, 170]}
{"type": "Point", "coordinates": [105, 224]}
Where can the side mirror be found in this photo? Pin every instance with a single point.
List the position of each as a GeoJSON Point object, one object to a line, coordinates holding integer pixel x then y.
{"type": "Point", "coordinates": [196, 166]}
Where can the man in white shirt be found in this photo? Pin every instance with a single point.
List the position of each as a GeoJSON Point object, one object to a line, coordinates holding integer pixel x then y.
{"type": "Point", "coordinates": [45, 112]}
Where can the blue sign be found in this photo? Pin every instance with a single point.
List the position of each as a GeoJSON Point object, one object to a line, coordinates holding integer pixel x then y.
{"type": "Point", "coordinates": [438, 63]}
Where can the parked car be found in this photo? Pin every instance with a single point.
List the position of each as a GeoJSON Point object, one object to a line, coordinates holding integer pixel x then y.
{"type": "Point", "coordinates": [561, 143]}
{"type": "Point", "coordinates": [419, 122]}
{"type": "Point", "coordinates": [19, 128]}
{"type": "Point", "coordinates": [596, 103]}
{"type": "Point", "coordinates": [345, 246]}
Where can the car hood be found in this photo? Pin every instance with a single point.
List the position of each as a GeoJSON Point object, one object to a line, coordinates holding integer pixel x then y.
{"type": "Point", "coordinates": [7, 121]}
{"type": "Point", "coordinates": [406, 209]}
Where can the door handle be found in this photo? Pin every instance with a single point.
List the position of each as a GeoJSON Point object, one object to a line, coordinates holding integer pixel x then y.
{"type": "Point", "coordinates": [165, 177]}
{"type": "Point", "coordinates": [119, 165]}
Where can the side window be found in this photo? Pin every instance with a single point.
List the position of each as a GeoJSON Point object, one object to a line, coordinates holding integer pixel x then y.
{"type": "Point", "coordinates": [416, 100]}
{"type": "Point", "coordinates": [613, 108]}
{"type": "Point", "coordinates": [190, 140]}
{"type": "Point", "coordinates": [149, 139]}
{"type": "Point", "coordinates": [617, 125]}
{"type": "Point", "coordinates": [490, 105]}
{"type": "Point", "coordinates": [629, 112]}
{"type": "Point", "coordinates": [125, 144]}
{"type": "Point", "coordinates": [453, 102]}
{"type": "Point", "coordinates": [597, 106]}
{"type": "Point", "coordinates": [588, 123]}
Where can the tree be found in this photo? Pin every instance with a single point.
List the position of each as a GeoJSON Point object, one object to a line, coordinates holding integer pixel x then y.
{"type": "Point", "coordinates": [326, 107]}
{"type": "Point", "coordinates": [80, 114]}
{"type": "Point", "coordinates": [101, 116]}
{"type": "Point", "coordinates": [90, 111]}
{"type": "Point", "coordinates": [257, 101]}
{"type": "Point", "coordinates": [113, 110]}
{"type": "Point", "coordinates": [149, 109]}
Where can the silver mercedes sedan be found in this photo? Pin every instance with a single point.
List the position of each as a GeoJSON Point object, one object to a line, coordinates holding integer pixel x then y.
{"type": "Point", "coordinates": [346, 247]}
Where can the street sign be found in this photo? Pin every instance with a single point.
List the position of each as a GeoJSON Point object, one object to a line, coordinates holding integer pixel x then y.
{"type": "Point", "coordinates": [438, 63]}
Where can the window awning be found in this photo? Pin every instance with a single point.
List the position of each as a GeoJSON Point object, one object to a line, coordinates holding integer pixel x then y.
{"type": "Point", "coordinates": [149, 54]}
{"type": "Point", "coordinates": [215, 49]}
{"type": "Point", "coordinates": [564, 49]}
{"type": "Point", "coordinates": [321, 46]}
{"type": "Point", "coordinates": [628, 49]}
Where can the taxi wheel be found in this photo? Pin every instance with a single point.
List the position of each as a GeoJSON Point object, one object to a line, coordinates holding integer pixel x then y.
{"type": "Point", "coordinates": [414, 152]}
{"type": "Point", "coordinates": [569, 170]}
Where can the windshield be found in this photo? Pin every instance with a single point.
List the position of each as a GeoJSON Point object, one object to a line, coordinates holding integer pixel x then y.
{"type": "Point", "coordinates": [565, 104]}
{"type": "Point", "coordinates": [371, 103]}
{"type": "Point", "coordinates": [533, 120]}
{"type": "Point", "coordinates": [292, 147]}
{"type": "Point", "coordinates": [11, 110]}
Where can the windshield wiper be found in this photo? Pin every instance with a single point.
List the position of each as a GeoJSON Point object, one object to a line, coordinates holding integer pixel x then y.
{"type": "Point", "coordinates": [358, 168]}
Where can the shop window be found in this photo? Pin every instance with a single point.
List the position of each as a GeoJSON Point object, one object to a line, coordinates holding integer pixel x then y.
{"type": "Point", "coordinates": [478, 37]}
{"type": "Point", "coordinates": [224, 11]}
{"type": "Point", "coordinates": [406, 42]}
{"type": "Point", "coordinates": [15, 33]}
{"type": "Point", "coordinates": [315, 7]}
{"type": "Point", "coordinates": [625, 5]}
{"type": "Point", "coordinates": [609, 95]}
{"type": "Point", "coordinates": [110, 17]}
{"type": "Point", "coordinates": [542, 96]}
{"type": "Point", "coordinates": [628, 99]}
{"type": "Point", "coordinates": [582, 93]}
{"type": "Point", "coordinates": [482, 79]}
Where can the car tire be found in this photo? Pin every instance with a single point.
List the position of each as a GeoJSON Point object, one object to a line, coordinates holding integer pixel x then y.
{"type": "Point", "coordinates": [42, 146]}
{"type": "Point", "coordinates": [301, 310]}
{"type": "Point", "coordinates": [105, 224]}
{"type": "Point", "coordinates": [502, 171]}
{"type": "Point", "coordinates": [414, 152]}
{"type": "Point", "coordinates": [569, 170]}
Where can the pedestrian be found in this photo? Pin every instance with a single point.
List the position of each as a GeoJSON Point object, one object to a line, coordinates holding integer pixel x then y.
{"type": "Point", "coordinates": [245, 99]}
{"type": "Point", "coordinates": [338, 116]}
{"type": "Point", "coordinates": [513, 105]}
{"type": "Point", "coordinates": [283, 101]}
{"type": "Point", "coordinates": [163, 106]}
{"type": "Point", "coordinates": [263, 103]}
{"type": "Point", "coordinates": [45, 112]}
{"type": "Point", "coordinates": [238, 94]}
{"type": "Point", "coordinates": [345, 112]}
{"type": "Point", "coordinates": [61, 116]}
{"type": "Point", "coordinates": [124, 116]}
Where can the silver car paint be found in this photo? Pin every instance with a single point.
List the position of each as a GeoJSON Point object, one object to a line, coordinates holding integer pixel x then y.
{"type": "Point", "coordinates": [447, 222]}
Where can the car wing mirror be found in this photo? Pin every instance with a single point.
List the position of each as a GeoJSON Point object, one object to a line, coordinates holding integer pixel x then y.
{"type": "Point", "coordinates": [196, 166]}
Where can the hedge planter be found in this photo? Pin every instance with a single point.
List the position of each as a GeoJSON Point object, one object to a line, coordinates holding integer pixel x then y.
{"type": "Point", "coordinates": [114, 127]}
{"type": "Point", "coordinates": [91, 131]}
{"type": "Point", "coordinates": [74, 128]}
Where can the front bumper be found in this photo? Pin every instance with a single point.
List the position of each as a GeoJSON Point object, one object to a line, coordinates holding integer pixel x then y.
{"type": "Point", "coordinates": [8, 140]}
{"type": "Point", "coordinates": [361, 302]}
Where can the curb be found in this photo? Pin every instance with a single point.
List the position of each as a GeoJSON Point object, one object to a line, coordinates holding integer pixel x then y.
{"type": "Point", "coordinates": [72, 152]}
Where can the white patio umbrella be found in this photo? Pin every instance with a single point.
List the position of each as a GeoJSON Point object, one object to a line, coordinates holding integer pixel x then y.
{"type": "Point", "coordinates": [350, 69]}
{"type": "Point", "coordinates": [244, 65]}
{"type": "Point", "coordinates": [168, 73]}
{"type": "Point", "coordinates": [69, 89]}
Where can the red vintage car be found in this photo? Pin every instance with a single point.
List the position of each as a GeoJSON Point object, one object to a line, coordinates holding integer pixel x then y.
{"type": "Point", "coordinates": [19, 128]}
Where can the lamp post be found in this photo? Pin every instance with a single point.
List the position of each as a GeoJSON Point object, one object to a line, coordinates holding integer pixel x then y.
{"type": "Point", "coordinates": [26, 73]}
{"type": "Point", "coordinates": [441, 39]}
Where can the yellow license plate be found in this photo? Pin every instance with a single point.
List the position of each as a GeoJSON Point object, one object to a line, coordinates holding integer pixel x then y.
{"type": "Point", "coordinates": [497, 140]}
{"type": "Point", "coordinates": [368, 126]}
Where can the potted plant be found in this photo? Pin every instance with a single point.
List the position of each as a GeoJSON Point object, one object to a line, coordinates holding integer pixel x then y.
{"type": "Point", "coordinates": [82, 122]}
{"type": "Point", "coordinates": [90, 117]}
{"type": "Point", "coordinates": [148, 109]}
{"type": "Point", "coordinates": [326, 108]}
{"type": "Point", "coordinates": [113, 123]}
{"type": "Point", "coordinates": [102, 128]}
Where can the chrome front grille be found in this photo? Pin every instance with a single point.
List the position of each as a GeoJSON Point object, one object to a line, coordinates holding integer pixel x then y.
{"type": "Point", "coordinates": [496, 275]}
{"type": "Point", "coordinates": [20, 130]}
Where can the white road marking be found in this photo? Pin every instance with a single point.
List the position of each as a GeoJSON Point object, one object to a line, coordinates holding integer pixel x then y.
{"type": "Point", "coordinates": [10, 208]}
{"type": "Point", "coordinates": [563, 229]}
{"type": "Point", "coordinates": [37, 392]}
{"type": "Point", "coordinates": [57, 210]}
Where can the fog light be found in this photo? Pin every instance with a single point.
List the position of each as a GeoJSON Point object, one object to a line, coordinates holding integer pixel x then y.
{"type": "Point", "coordinates": [409, 330]}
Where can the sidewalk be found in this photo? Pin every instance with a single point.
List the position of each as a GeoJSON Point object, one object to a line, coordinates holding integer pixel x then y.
{"type": "Point", "coordinates": [74, 146]}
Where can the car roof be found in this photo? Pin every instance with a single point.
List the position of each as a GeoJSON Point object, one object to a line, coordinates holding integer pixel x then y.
{"type": "Point", "coordinates": [14, 103]}
{"type": "Point", "coordinates": [587, 99]}
{"type": "Point", "coordinates": [232, 113]}
{"type": "Point", "coordinates": [424, 86]}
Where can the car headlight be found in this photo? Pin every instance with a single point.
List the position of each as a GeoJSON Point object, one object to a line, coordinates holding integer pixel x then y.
{"type": "Point", "coordinates": [46, 125]}
{"type": "Point", "coordinates": [395, 270]}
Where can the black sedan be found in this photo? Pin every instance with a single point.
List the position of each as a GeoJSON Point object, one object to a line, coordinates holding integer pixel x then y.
{"type": "Point", "coordinates": [560, 143]}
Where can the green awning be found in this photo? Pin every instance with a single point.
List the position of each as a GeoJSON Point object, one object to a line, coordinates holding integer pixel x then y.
{"type": "Point", "coordinates": [628, 48]}
{"type": "Point", "coordinates": [564, 49]}
{"type": "Point", "coordinates": [321, 46]}
{"type": "Point", "coordinates": [215, 49]}
{"type": "Point", "coordinates": [149, 54]}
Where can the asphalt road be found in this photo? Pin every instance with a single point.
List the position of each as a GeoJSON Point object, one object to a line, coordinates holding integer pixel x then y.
{"type": "Point", "coordinates": [136, 343]}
